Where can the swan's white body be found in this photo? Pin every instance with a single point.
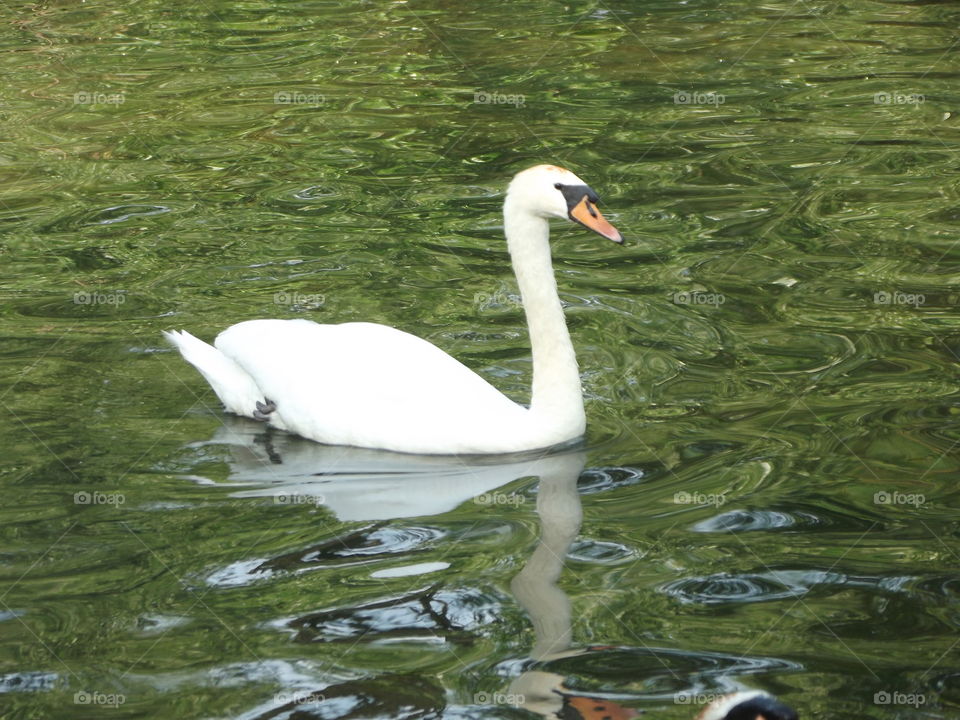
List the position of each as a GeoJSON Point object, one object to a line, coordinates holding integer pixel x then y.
{"type": "Point", "coordinates": [371, 385]}
{"type": "Point", "coordinates": [357, 384]}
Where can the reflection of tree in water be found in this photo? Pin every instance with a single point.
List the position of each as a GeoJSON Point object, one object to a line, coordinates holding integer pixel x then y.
{"type": "Point", "coordinates": [425, 613]}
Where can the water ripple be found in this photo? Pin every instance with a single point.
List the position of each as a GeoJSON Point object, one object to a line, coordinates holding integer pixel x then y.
{"type": "Point", "coordinates": [724, 588]}
{"type": "Point", "coordinates": [360, 547]}
{"type": "Point", "coordinates": [603, 479]}
{"type": "Point", "coordinates": [122, 213]}
{"type": "Point", "coordinates": [749, 520]}
{"type": "Point", "coordinates": [430, 615]}
{"type": "Point", "coordinates": [28, 682]}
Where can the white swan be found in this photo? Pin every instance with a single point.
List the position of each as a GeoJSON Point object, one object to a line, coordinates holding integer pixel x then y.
{"type": "Point", "coordinates": [374, 386]}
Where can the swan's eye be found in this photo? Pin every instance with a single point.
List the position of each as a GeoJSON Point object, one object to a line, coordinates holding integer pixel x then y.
{"type": "Point", "coordinates": [558, 186]}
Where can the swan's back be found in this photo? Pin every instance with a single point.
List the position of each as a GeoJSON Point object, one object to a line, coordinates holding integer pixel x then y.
{"type": "Point", "coordinates": [370, 385]}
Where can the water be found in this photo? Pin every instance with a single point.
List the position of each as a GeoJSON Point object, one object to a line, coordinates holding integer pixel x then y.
{"type": "Point", "coordinates": [768, 488]}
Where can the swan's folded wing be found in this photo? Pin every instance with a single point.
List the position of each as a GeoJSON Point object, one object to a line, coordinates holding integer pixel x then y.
{"type": "Point", "coordinates": [361, 383]}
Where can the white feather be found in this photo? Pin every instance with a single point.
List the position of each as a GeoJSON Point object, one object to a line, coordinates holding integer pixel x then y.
{"type": "Point", "coordinates": [236, 389]}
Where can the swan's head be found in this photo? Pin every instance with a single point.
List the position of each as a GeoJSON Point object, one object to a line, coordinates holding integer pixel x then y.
{"type": "Point", "coordinates": [749, 705]}
{"type": "Point", "coordinates": [550, 191]}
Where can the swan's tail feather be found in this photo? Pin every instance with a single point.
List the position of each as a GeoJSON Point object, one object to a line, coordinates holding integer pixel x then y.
{"type": "Point", "coordinates": [235, 388]}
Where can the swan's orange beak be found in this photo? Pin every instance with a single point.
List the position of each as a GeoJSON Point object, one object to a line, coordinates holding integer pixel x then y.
{"type": "Point", "coordinates": [586, 213]}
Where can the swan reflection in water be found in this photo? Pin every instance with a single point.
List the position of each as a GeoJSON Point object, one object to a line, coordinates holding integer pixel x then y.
{"type": "Point", "coordinates": [359, 484]}
{"type": "Point", "coordinates": [363, 485]}
{"type": "Point", "coordinates": [549, 608]}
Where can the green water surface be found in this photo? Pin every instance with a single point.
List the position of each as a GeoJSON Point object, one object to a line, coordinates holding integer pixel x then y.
{"type": "Point", "coordinates": [769, 489]}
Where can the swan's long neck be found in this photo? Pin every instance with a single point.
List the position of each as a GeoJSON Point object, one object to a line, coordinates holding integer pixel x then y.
{"type": "Point", "coordinates": [556, 401]}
